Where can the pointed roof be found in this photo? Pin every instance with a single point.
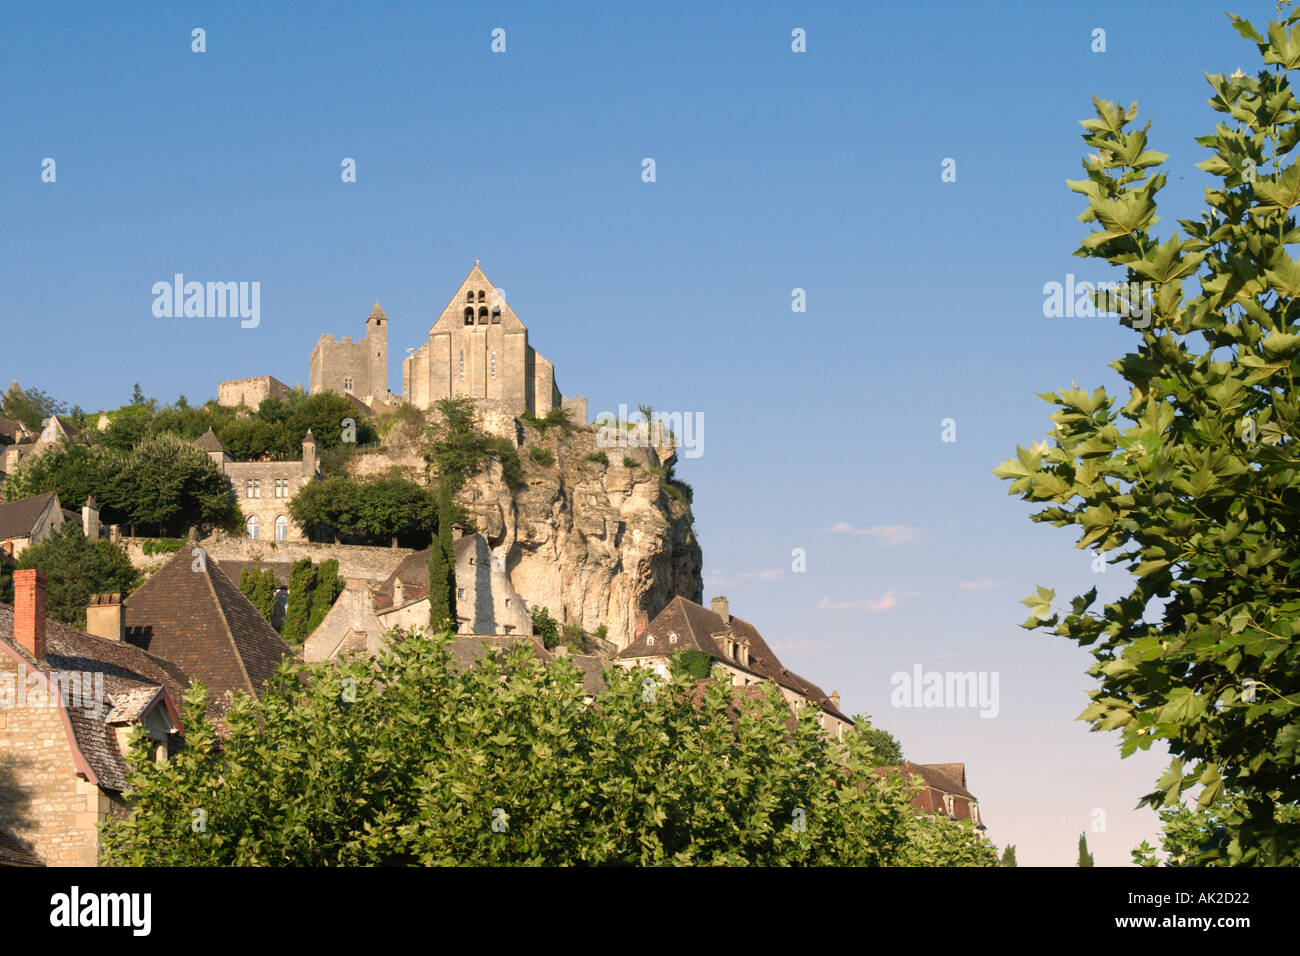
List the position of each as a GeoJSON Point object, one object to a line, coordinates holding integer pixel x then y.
{"type": "Point", "coordinates": [377, 312]}
{"type": "Point", "coordinates": [453, 316]}
{"type": "Point", "coordinates": [695, 627]}
{"type": "Point", "coordinates": [19, 517]}
{"type": "Point", "coordinates": [209, 441]}
{"type": "Point", "coordinates": [200, 621]}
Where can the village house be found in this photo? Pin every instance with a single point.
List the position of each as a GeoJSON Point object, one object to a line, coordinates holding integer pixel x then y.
{"type": "Point", "coordinates": [29, 521]}
{"type": "Point", "coordinates": [191, 614]}
{"type": "Point", "coordinates": [29, 446]}
{"type": "Point", "coordinates": [486, 602]}
{"type": "Point", "coordinates": [737, 651]}
{"type": "Point", "coordinates": [943, 790]}
{"type": "Point", "coordinates": [265, 488]}
{"type": "Point", "coordinates": [69, 700]}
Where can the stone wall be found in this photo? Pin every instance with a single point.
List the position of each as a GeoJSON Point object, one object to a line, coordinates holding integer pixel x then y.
{"type": "Point", "coordinates": [355, 561]}
{"type": "Point", "coordinates": [43, 802]}
{"type": "Point", "coordinates": [250, 392]}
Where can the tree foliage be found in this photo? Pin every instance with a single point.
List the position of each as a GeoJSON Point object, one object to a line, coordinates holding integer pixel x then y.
{"type": "Point", "coordinates": [75, 568]}
{"type": "Point", "coordinates": [457, 446]}
{"type": "Point", "coordinates": [260, 587]}
{"type": "Point", "coordinates": [1085, 858]}
{"type": "Point", "coordinates": [365, 512]}
{"type": "Point", "coordinates": [30, 406]}
{"type": "Point", "coordinates": [545, 627]}
{"type": "Point", "coordinates": [1191, 483]}
{"type": "Point", "coordinates": [408, 760]}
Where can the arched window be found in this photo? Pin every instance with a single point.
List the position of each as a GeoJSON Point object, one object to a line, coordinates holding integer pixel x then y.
{"type": "Point", "coordinates": [482, 296]}
{"type": "Point", "coordinates": [469, 316]}
{"type": "Point", "coordinates": [469, 296]}
{"type": "Point", "coordinates": [482, 315]}
{"type": "Point", "coordinates": [252, 528]}
{"type": "Point", "coordinates": [282, 528]}
{"type": "Point", "coordinates": [496, 315]}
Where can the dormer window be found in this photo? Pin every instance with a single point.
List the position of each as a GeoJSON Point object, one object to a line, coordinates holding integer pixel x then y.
{"type": "Point", "coordinates": [948, 804]}
{"type": "Point", "coordinates": [650, 640]}
{"type": "Point", "coordinates": [672, 637]}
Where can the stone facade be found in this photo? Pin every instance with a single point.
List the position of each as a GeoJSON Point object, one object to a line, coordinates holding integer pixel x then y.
{"type": "Point", "coordinates": [250, 392]}
{"type": "Point", "coordinates": [478, 348]}
{"type": "Point", "coordinates": [359, 369]}
{"type": "Point", "coordinates": [265, 488]}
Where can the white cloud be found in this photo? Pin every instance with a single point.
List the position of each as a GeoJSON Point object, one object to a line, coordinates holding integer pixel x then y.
{"type": "Point", "coordinates": [882, 533]}
{"type": "Point", "coordinates": [715, 578]}
{"type": "Point", "coordinates": [883, 603]}
{"type": "Point", "coordinates": [798, 647]}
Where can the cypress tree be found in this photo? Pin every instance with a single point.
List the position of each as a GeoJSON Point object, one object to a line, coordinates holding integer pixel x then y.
{"type": "Point", "coordinates": [1008, 855]}
{"type": "Point", "coordinates": [298, 610]}
{"type": "Point", "coordinates": [1085, 858]}
{"type": "Point", "coordinates": [442, 566]}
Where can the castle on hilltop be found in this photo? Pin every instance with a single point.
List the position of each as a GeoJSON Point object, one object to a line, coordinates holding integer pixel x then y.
{"type": "Point", "coordinates": [477, 348]}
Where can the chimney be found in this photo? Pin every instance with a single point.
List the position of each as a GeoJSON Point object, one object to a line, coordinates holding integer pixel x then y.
{"type": "Point", "coordinates": [90, 519]}
{"type": "Point", "coordinates": [457, 532]}
{"type": "Point", "coordinates": [642, 622]}
{"type": "Point", "coordinates": [399, 593]}
{"type": "Point", "coordinates": [29, 611]}
{"type": "Point", "coordinates": [721, 608]}
{"type": "Point", "coordinates": [104, 617]}
{"type": "Point", "coordinates": [835, 699]}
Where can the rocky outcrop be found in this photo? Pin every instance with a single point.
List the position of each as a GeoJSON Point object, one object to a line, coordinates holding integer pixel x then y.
{"type": "Point", "coordinates": [594, 541]}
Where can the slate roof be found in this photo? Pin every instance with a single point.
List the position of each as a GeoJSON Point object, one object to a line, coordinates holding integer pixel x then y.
{"type": "Point", "coordinates": [939, 779]}
{"type": "Point", "coordinates": [130, 676]}
{"type": "Point", "coordinates": [695, 626]}
{"type": "Point", "coordinates": [17, 518]}
{"type": "Point", "coordinates": [201, 622]}
{"type": "Point", "coordinates": [10, 431]}
{"type": "Point", "coordinates": [593, 672]}
{"type": "Point", "coordinates": [13, 853]}
{"type": "Point", "coordinates": [209, 441]}
{"type": "Point", "coordinates": [413, 572]}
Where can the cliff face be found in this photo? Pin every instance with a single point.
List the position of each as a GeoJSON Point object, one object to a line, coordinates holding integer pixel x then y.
{"type": "Point", "coordinates": [593, 542]}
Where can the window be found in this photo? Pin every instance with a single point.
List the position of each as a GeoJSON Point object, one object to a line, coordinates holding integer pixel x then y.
{"type": "Point", "coordinates": [253, 487]}
{"type": "Point", "coordinates": [282, 528]}
{"type": "Point", "coordinates": [248, 488]}
{"type": "Point", "coordinates": [975, 814]}
{"type": "Point", "coordinates": [347, 385]}
{"type": "Point", "coordinates": [469, 313]}
{"type": "Point", "coordinates": [507, 602]}
{"type": "Point", "coordinates": [469, 296]}
{"type": "Point", "coordinates": [252, 528]}
{"type": "Point", "coordinates": [494, 364]}
{"type": "Point", "coordinates": [650, 640]}
{"type": "Point", "coordinates": [496, 315]}
{"type": "Point", "coordinates": [482, 315]}
{"type": "Point", "coordinates": [460, 594]}
{"type": "Point", "coordinates": [481, 295]}
{"type": "Point", "coordinates": [282, 487]}
{"type": "Point", "coordinates": [947, 804]}
{"type": "Point", "coordinates": [672, 637]}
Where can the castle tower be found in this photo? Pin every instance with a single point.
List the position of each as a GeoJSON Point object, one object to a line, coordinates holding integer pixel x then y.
{"type": "Point", "coordinates": [377, 352]}
{"type": "Point", "coordinates": [309, 462]}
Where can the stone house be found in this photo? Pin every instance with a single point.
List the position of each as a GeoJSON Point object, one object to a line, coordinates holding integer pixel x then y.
{"type": "Point", "coordinates": [191, 614]}
{"type": "Point", "coordinates": [486, 603]}
{"type": "Point", "coordinates": [943, 790]}
{"type": "Point", "coordinates": [478, 348]}
{"type": "Point", "coordinates": [265, 488]}
{"type": "Point", "coordinates": [29, 521]}
{"type": "Point", "coordinates": [29, 446]}
{"type": "Point", "coordinates": [358, 369]}
{"type": "Point", "coordinates": [736, 648]}
{"type": "Point", "coordinates": [250, 392]}
{"type": "Point", "coordinates": [69, 700]}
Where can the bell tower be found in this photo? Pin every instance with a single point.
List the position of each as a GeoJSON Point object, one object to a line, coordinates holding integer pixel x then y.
{"type": "Point", "coordinates": [377, 352]}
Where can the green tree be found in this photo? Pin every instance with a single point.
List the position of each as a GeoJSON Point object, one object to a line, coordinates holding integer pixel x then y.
{"type": "Point", "coordinates": [889, 752]}
{"type": "Point", "coordinates": [442, 565]}
{"type": "Point", "coordinates": [457, 446]}
{"type": "Point", "coordinates": [31, 406]}
{"type": "Point", "coordinates": [332, 765]}
{"type": "Point", "coordinates": [259, 586]}
{"type": "Point", "coordinates": [1008, 855]}
{"type": "Point", "coordinates": [297, 611]}
{"type": "Point", "coordinates": [76, 568]}
{"type": "Point", "coordinates": [1085, 858]}
{"type": "Point", "coordinates": [696, 665]}
{"type": "Point", "coordinates": [396, 509]}
{"type": "Point", "coordinates": [326, 588]}
{"type": "Point", "coordinates": [166, 485]}
{"type": "Point", "coordinates": [1191, 482]}
{"type": "Point", "coordinates": [330, 507]}
{"type": "Point", "coordinates": [546, 627]}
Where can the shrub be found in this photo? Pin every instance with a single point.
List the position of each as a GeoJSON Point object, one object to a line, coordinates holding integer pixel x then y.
{"type": "Point", "coordinates": [597, 457]}
{"type": "Point", "coordinates": [542, 456]}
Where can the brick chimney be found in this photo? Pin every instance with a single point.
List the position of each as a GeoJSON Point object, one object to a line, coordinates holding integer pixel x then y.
{"type": "Point", "coordinates": [104, 617]}
{"type": "Point", "coordinates": [29, 611]}
{"type": "Point", "coordinates": [642, 622]}
{"type": "Point", "coordinates": [721, 608]}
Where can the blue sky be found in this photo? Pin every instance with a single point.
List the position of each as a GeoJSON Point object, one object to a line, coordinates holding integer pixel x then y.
{"type": "Point", "coordinates": [774, 171]}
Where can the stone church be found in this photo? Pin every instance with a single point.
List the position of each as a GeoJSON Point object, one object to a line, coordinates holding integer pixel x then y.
{"type": "Point", "coordinates": [477, 348]}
